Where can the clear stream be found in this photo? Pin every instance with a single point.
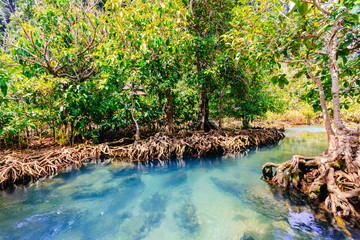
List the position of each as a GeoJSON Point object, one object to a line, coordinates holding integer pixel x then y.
{"type": "Point", "coordinates": [219, 197]}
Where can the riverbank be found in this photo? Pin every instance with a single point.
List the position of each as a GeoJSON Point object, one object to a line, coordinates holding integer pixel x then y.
{"type": "Point", "coordinates": [23, 166]}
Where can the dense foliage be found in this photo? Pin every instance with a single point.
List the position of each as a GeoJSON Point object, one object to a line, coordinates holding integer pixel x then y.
{"type": "Point", "coordinates": [318, 41]}
{"type": "Point", "coordinates": [65, 66]}
{"type": "Point", "coordinates": [77, 70]}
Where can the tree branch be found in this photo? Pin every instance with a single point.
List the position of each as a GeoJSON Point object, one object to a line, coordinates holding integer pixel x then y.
{"type": "Point", "coordinates": [323, 10]}
{"type": "Point", "coordinates": [291, 61]}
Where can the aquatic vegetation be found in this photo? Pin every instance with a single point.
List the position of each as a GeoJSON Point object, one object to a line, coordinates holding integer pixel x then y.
{"type": "Point", "coordinates": [142, 205]}
{"type": "Point", "coordinates": [255, 200]}
{"type": "Point", "coordinates": [50, 183]}
{"type": "Point", "coordinates": [155, 203]}
{"type": "Point", "coordinates": [120, 168]}
{"type": "Point", "coordinates": [247, 236]}
{"type": "Point", "coordinates": [131, 181]}
{"type": "Point", "coordinates": [139, 226]}
{"type": "Point", "coordinates": [88, 192]}
{"type": "Point", "coordinates": [188, 217]}
{"type": "Point", "coordinates": [104, 225]}
{"type": "Point", "coordinates": [44, 225]}
{"type": "Point", "coordinates": [175, 179]}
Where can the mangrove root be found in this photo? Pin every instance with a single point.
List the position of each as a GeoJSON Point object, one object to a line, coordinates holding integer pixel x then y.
{"type": "Point", "coordinates": [331, 179]}
{"type": "Point", "coordinates": [21, 167]}
{"type": "Point", "coordinates": [163, 146]}
{"type": "Point", "coordinates": [30, 165]}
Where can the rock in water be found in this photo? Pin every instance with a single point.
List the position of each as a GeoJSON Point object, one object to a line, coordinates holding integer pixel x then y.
{"type": "Point", "coordinates": [255, 200]}
{"type": "Point", "coordinates": [188, 217]}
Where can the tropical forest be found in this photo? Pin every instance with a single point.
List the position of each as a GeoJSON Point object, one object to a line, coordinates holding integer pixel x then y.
{"type": "Point", "coordinates": [179, 119]}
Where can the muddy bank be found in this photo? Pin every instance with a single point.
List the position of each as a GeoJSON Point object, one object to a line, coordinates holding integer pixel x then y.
{"type": "Point", "coordinates": [18, 167]}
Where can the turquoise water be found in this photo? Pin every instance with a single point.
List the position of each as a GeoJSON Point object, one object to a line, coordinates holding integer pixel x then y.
{"type": "Point", "coordinates": [219, 197]}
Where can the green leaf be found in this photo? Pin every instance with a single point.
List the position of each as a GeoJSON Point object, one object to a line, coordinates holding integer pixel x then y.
{"type": "Point", "coordinates": [3, 86]}
{"type": "Point", "coordinates": [274, 79]}
{"type": "Point", "coordinates": [303, 9]}
{"type": "Point", "coordinates": [343, 55]}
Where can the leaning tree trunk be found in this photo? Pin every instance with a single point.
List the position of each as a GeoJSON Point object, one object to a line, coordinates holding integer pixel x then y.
{"type": "Point", "coordinates": [170, 111]}
{"type": "Point", "coordinates": [333, 176]}
{"type": "Point", "coordinates": [331, 180]}
{"type": "Point", "coordinates": [335, 80]}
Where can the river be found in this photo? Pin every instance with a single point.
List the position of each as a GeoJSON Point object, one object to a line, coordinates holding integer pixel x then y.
{"type": "Point", "coordinates": [218, 197]}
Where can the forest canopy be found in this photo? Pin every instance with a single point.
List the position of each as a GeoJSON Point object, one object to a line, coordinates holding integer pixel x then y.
{"type": "Point", "coordinates": [77, 70]}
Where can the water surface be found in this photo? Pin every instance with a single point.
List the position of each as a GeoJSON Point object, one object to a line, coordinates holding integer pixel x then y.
{"type": "Point", "coordinates": [219, 197]}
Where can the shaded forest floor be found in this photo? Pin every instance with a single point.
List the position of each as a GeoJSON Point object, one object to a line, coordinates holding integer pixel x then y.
{"type": "Point", "coordinates": [23, 166]}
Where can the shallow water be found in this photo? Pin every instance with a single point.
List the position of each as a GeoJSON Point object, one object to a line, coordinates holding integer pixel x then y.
{"type": "Point", "coordinates": [209, 198]}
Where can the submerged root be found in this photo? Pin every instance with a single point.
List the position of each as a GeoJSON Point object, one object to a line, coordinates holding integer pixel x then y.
{"type": "Point", "coordinates": [331, 179]}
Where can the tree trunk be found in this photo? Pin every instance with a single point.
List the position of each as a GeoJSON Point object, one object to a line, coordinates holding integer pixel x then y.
{"type": "Point", "coordinates": [201, 113]}
{"type": "Point", "coordinates": [137, 134]}
{"type": "Point", "coordinates": [160, 96]}
{"type": "Point", "coordinates": [333, 178]}
{"type": "Point", "coordinates": [220, 104]}
{"type": "Point", "coordinates": [204, 122]}
{"type": "Point", "coordinates": [53, 130]}
{"type": "Point", "coordinates": [220, 112]}
{"type": "Point", "coordinates": [335, 80]}
{"type": "Point", "coordinates": [72, 133]}
{"type": "Point", "coordinates": [170, 111]}
{"type": "Point", "coordinates": [317, 80]}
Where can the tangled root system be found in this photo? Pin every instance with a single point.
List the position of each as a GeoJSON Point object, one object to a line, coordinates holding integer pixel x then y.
{"type": "Point", "coordinates": [22, 167]}
{"type": "Point", "coordinates": [331, 180]}
{"type": "Point", "coordinates": [163, 146]}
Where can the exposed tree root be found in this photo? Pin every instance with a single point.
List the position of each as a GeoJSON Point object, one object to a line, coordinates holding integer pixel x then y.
{"type": "Point", "coordinates": [21, 167]}
{"type": "Point", "coordinates": [331, 179]}
{"type": "Point", "coordinates": [164, 146]}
